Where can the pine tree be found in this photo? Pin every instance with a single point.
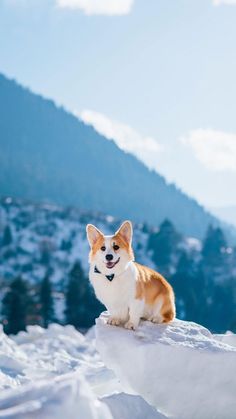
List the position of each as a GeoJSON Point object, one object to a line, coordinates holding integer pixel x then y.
{"type": "Point", "coordinates": [217, 270]}
{"type": "Point", "coordinates": [66, 245]}
{"type": "Point", "coordinates": [164, 245]}
{"type": "Point", "coordinates": [7, 236]}
{"type": "Point", "coordinates": [15, 307]}
{"type": "Point", "coordinates": [188, 284]}
{"type": "Point", "coordinates": [214, 246]}
{"type": "Point", "coordinates": [216, 261]}
{"type": "Point", "coordinates": [82, 307]}
{"type": "Point", "coordinates": [76, 296]}
{"type": "Point", "coordinates": [46, 301]}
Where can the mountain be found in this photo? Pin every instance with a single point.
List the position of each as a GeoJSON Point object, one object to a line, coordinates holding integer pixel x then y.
{"type": "Point", "coordinates": [47, 154]}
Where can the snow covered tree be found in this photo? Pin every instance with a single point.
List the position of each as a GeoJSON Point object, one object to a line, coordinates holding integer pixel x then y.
{"type": "Point", "coordinates": [15, 307]}
{"type": "Point", "coordinates": [46, 301]}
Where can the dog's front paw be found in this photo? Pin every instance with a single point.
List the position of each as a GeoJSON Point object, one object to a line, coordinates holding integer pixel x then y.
{"type": "Point", "coordinates": [130, 325]}
{"type": "Point", "coordinates": [155, 319]}
{"type": "Point", "coordinates": [114, 321]}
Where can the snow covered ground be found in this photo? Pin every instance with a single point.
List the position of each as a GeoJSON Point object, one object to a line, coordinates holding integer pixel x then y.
{"type": "Point", "coordinates": [178, 370]}
{"type": "Point", "coordinates": [57, 372]}
{"type": "Point", "coordinates": [43, 374]}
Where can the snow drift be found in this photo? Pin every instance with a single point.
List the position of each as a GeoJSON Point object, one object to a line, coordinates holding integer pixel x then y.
{"type": "Point", "coordinates": [57, 373]}
{"type": "Point", "coordinates": [42, 375]}
{"type": "Point", "coordinates": [181, 368]}
{"type": "Point", "coordinates": [68, 396]}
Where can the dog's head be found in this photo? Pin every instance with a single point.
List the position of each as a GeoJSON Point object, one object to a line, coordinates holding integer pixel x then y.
{"type": "Point", "coordinates": [110, 254]}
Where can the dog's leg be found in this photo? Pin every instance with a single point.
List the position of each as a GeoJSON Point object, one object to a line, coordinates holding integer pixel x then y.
{"type": "Point", "coordinates": [118, 317]}
{"type": "Point", "coordinates": [156, 316]}
{"type": "Point", "coordinates": [135, 313]}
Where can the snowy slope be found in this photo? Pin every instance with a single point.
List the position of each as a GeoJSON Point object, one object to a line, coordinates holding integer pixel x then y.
{"type": "Point", "coordinates": [181, 368]}
{"type": "Point", "coordinates": [39, 231]}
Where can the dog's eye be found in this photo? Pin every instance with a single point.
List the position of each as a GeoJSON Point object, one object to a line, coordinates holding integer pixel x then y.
{"type": "Point", "coordinates": [103, 248]}
{"type": "Point", "coordinates": [116, 247]}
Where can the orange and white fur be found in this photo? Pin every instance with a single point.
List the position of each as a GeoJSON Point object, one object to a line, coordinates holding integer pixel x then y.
{"type": "Point", "coordinates": [133, 291]}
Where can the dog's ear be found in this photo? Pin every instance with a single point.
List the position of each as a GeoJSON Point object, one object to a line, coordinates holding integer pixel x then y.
{"type": "Point", "coordinates": [93, 234]}
{"type": "Point", "coordinates": [126, 231]}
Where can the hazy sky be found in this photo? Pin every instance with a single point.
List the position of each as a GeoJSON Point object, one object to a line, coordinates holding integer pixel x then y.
{"type": "Point", "coordinates": [157, 75]}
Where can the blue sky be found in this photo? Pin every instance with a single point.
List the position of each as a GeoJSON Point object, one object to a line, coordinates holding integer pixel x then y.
{"type": "Point", "coordinates": [157, 75]}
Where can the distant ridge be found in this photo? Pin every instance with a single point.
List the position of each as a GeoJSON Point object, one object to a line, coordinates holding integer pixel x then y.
{"type": "Point", "coordinates": [228, 214]}
{"type": "Point", "coordinates": [47, 154]}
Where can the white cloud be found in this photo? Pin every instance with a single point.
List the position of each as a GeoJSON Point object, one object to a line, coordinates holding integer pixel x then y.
{"type": "Point", "coordinates": [228, 2]}
{"type": "Point", "coordinates": [216, 150]}
{"type": "Point", "coordinates": [99, 7]}
{"type": "Point", "coordinates": [144, 147]}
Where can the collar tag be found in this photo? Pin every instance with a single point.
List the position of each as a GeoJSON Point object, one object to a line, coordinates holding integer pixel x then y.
{"type": "Point", "coordinates": [110, 277]}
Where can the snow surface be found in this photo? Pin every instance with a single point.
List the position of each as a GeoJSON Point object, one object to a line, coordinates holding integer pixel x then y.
{"type": "Point", "coordinates": [57, 373]}
{"type": "Point", "coordinates": [68, 396]}
{"type": "Point", "coordinates": [180, 368]}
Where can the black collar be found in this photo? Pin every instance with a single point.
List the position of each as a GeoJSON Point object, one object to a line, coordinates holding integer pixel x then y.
{"type": "Point", "coordinates": [109, 277]}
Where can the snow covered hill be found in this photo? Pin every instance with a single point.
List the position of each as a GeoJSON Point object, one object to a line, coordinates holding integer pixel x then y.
{"type": "Point", "coordinates": [43, 236]}
{"type": "Point", "coordinates": [178, 371]}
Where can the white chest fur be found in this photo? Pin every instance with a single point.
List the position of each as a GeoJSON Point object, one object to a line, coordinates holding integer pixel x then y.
{"type": "Point", "coordinates": [117, 294]}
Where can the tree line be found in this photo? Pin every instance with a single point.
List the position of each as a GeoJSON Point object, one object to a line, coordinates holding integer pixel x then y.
{"type": "Point", "coordinates": [23, 304]}
{"type": "Point", "coordinates": [204, 281]}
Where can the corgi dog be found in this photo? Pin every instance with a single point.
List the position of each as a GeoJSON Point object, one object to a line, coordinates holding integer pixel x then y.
{"type": "Point", "coordinates": [129, 290]}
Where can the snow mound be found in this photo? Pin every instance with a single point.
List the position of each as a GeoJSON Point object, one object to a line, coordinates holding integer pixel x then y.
{"type": "Point", "coordinates": [13, 361]}
{"type": "Point", "coordinates": [180, 368]}
{"type": "Point", "coordinates": [50, 373]}
{"type": "Point", "coordinates": [68, 396]}
{"type": "Point", "coordinates": [58, 373]}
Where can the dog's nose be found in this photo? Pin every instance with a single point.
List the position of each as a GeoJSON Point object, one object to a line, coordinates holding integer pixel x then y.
{"type": "Point", "coordinates": [109, 257]}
